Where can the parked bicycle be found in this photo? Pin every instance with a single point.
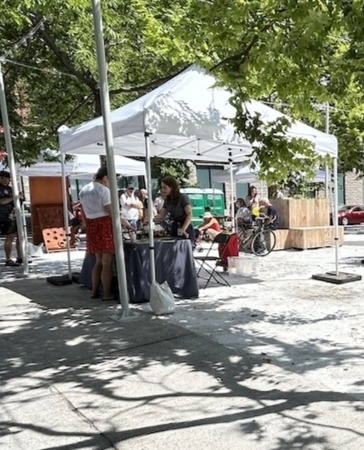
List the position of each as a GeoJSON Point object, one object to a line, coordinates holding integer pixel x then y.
{"type": "Point", "coordinates": [259, 239]}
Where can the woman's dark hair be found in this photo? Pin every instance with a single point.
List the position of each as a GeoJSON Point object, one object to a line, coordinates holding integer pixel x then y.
{"type": "Point", "coordinates": [251, 189]}
{"type": "Point", "coordinates": [172, 183]}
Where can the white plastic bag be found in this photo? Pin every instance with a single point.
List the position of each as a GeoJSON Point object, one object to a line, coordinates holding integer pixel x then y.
{"type": "Point", "coordinates": [34, 250]}
{"type": "Point", "coordinates": [161, 298]}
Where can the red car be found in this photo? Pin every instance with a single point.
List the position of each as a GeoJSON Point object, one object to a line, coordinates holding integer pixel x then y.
{"type": "Point", "coordinates": [351, 214]}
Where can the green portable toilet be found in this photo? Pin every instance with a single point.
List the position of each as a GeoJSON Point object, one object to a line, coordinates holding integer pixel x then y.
{"type": "Point", "coordinates": [215, 200]}
{"type": "Point", "coordinates": [196, 198]}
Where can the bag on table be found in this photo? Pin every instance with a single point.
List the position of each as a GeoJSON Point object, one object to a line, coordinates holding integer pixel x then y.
{"type": "Point", "coordinates": [161, 298]}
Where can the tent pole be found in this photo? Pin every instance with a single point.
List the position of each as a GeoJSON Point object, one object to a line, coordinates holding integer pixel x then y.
{"type": "Point", "coordinates": [233, 227]}
{"type": "Point", "coordinates": [65, 215]}
{"type": "Point", "coordinates": [150, 207]}
{"type": "Point", "coordinates": [327, 130]}
{"type": "Point", "coordinates": [336, 219]}
{"type": "Point", "coordinates": [105, 105]}
{"type": "Point", "coordinates": [11, 162]}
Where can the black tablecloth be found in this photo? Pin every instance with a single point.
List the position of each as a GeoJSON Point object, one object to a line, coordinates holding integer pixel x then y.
{"type": "Point", "coordinates": [174, 263]}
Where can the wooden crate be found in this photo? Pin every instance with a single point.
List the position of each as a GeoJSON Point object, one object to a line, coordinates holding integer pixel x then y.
{"type": "Point", "coordinates": [314, 237]}
{"type": "Point", "coordinates": [303, 212]}
{"type": "Point", "coordinates": [283, 239]}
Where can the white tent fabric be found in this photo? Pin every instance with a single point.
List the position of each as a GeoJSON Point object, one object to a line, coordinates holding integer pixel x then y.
{"type": "Point", "coordinates": [83, 167]}
{"type": "Point", "coordinates": [188, 118]}
{"type": "Point", "coordinates": [243, 174]}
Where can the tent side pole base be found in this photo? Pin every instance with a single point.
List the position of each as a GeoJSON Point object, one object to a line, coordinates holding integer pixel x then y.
{"type": "Point", "coordinates": [337, 278]}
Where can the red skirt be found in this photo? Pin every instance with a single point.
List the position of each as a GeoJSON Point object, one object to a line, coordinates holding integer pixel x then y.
{"type": "Point", "coordinates": [99, 235]}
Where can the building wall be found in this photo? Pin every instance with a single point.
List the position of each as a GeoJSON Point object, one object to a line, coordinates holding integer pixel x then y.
{"type": "Point", "coordinates": [353, 189]}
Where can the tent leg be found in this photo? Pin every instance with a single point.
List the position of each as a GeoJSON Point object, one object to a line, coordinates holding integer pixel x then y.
{"type": "Point", "coordinates": [125, 313]}
{"type": "Point", "coordinates": [150, 207]}
{"type": "Point", "coordinates": [65, 215]}
{"type": "Point", "coordinates": [233, 227]}
{"type": "Point", "coordinates": [336, 277]}
{"type": "Point", "coordinates": [11, 161]}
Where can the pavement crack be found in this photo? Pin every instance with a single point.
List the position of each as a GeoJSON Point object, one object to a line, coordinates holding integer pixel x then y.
{"type": "Point", "coordinates": [54, 390]}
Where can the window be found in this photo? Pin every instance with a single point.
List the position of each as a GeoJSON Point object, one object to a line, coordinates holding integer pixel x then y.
{"type": "Point", "coordinates": [205, 175]}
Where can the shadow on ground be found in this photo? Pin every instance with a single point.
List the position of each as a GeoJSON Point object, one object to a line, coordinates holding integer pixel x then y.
{"type": "Point", "coordinates": [149, 375]}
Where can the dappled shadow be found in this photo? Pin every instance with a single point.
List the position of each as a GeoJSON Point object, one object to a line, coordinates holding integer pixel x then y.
{"type": "Point", "coordinates": [140, 378]}
{"type": "Point", "coordinates": [293, 338]}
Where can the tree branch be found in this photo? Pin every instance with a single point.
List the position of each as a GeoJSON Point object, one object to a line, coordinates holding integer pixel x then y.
{"type": "Point", "coordinates": [86, 77]}
{"type": "Point", "coordinates": [244, 54]}
{"type": "Point", "coordinates": [155, 83]}
{"type": "Point", "coordinates": [77, 108]}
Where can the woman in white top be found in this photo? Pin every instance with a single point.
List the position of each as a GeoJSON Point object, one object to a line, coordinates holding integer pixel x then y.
{"type": "Point", "coordinates": [96, 208]}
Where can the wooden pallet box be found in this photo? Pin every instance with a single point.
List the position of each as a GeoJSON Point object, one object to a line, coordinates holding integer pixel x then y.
{"type": "Point", "coordinates": [312, 212]}
{"type": "Point", "coordinates": [283, 239]}
{"type": "Point", "coordinates": [315, 237]}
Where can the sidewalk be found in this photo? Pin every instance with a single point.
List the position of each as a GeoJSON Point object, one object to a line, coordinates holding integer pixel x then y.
{"type": "Point", "coordinates": [273, 362]}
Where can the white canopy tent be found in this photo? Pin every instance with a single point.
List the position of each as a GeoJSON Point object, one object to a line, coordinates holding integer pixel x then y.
{"type": "Point", "coordinates": [188, 118]}
{"type": "Point", "coordinates": [83, 167]}
{"type": "Point", "coordinates": [185, 118]}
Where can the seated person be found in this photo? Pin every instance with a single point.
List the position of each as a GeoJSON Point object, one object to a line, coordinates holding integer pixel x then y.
{"type": "Point", "coordinates": [272, 219]}
{"type": "Point", "coordinates": [126, 225]}
{"type": "Point", "coordinates": [75, 223]}
{"type": "Point", "coordinates": [210, 227]}
{"type": "Point", "coordinates": [129, 206]}
{"type": "Point", "coordinates": [243, 215]}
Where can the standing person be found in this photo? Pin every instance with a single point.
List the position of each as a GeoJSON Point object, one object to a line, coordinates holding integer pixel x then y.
{"type": "Point", "coordinates": [179, 209]}
{"type": "Point", "coordinates": [252, 201]}
{"type": "Point", "coordinates": [158, 203]}
{"type": "Point", "coordinates": [96, 208]}
{"type": "Point", "coordinates": [8, 226]}
{"type": "Point", "coordinates": [140, 207]}
{"type": "Point", "coordinates": [143, 196]}
{"type": "Point", "coordinates": [130, 206]}
{"type": "Point", "coordinates": [276, 192]}
{"type": "Point", "coordinates": [272, 220]}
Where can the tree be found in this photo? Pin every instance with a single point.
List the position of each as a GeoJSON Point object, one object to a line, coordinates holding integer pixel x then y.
{"type": "Point", "coordinates": [294, 53]}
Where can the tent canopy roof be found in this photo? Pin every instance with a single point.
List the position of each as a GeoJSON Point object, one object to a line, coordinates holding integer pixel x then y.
{"type": "Point", "coordinates": [188, 118]}
{"type": "Point", "coordinates": [84, 167]}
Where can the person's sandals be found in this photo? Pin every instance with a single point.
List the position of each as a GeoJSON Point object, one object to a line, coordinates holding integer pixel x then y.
{"type": "Point", "coordinates": [11, 263]}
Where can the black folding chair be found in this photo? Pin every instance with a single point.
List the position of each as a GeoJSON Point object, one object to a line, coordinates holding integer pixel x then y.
{"type": "Point", "coordinates": [210, 262]}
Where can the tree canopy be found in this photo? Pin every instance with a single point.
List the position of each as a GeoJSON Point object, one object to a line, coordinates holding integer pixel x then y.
{"type": "Point", "coordinates": [294, 55]}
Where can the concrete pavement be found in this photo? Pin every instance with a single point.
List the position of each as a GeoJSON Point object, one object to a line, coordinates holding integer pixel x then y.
{"type": "Point", "coordinates": [72, 378]}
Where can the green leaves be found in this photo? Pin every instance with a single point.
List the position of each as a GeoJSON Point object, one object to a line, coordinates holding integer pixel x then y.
{"type": "Point", "coordinates": [274, 50]}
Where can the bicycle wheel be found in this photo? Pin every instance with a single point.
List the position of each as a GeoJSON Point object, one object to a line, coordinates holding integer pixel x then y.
{"type": "Point", "coordinates": [263, 242]}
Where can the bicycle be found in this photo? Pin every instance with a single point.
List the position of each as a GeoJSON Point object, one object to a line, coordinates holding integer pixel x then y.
{"type": "Point", "coordinates": [259, 239]}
